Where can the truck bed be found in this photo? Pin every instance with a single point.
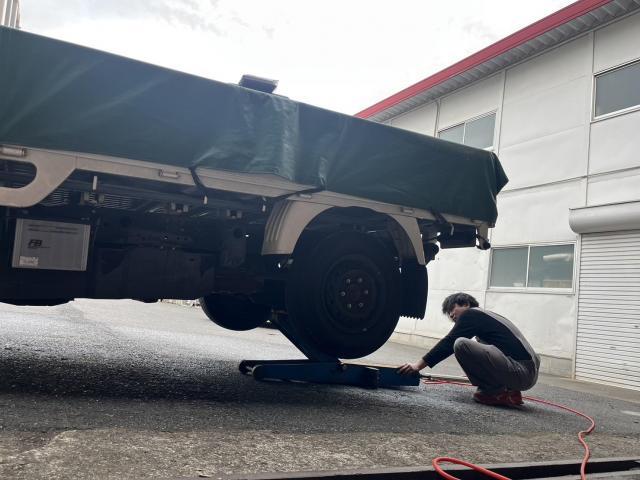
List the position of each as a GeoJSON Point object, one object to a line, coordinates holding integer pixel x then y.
{"type": "Point", "coordinates": [61, 100]}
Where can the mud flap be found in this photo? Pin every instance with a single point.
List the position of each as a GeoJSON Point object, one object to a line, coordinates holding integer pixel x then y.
{"type": "Point", "coordinates": [415, 285]}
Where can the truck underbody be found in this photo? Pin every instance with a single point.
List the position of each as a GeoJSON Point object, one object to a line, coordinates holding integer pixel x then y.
{"type": "Point", "coordinates": [168, 234]}
{"type": "Point", "coordinates": [121, 179]}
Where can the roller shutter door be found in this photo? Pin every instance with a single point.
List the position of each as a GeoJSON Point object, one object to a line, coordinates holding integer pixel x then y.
{"type": "Point", "coordinates": [608, 344]}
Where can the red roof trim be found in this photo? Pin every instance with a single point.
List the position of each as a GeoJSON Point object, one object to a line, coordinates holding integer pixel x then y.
{"type": "Point", "coordinates": [554, 20]}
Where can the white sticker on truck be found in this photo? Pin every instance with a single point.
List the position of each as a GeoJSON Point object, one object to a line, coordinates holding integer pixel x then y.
{"type": "Point", "coordinates": [28, 261]}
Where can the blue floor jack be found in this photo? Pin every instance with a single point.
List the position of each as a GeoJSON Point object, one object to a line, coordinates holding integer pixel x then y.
{"type": "Point", "coordinates": [336, 372]}
{"type": "Point", "coordinates": [332, 372]}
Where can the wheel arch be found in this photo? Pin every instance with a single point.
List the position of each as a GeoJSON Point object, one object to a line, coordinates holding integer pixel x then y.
{"type": "Point", "coordinates": [290, 218]}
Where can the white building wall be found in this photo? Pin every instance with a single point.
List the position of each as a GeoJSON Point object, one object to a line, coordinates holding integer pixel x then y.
{"type": "Point", "coordinates": [421, 120]}
{"type": "Point", "coordinates": [445, 277]}
{"type": "Point", "coordinates": [477, 99]}
{"type": "Point", "coordinates": [537, 214]}
{"type": "Point", "coordinates": [614, 163]}
{"type": "Point", "coordinates": [545, 117]}
{"type": "Point", "coordinates": [617, 43]}
{"type": "Point", "coordinates": [615, 187]}
{"type": "Point", "coordinates": [615, 144]}
{"type": "Point", "coordinates": [547, 320]}
{"type": "Point", "coordinates": [557, 157]}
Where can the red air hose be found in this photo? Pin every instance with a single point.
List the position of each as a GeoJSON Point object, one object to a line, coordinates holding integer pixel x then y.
{"type": "Point", "coordinates": [436, 461]}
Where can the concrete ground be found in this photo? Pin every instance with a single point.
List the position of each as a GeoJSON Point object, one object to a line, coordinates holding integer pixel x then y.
{"type": "Point", "coordinates": [120, 389]}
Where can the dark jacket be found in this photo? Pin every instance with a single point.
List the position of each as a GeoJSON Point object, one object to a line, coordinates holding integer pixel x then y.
{"type": "Point", "coordinates": [488, 327]}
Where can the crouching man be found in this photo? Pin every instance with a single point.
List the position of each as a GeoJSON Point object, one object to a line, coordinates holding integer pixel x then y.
{"type": "Point", "coordinates": [501, 363]}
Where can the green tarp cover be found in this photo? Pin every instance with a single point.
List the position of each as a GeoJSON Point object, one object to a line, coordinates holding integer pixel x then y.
{"type": "Point", "coordinates": [61, 96]}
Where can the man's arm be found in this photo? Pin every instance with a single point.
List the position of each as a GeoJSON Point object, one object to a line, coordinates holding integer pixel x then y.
{"type": "Point", "coordinates": [468, 326]}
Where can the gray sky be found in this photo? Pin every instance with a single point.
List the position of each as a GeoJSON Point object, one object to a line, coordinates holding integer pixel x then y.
{"type": "Point", "coordinates": [344, 55]}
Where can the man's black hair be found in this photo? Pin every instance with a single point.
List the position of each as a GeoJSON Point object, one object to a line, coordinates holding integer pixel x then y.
{"type": "Point", "coordinates": [458, 299]}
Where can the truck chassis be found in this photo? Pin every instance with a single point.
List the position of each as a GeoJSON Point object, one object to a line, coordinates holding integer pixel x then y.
{"type": "Point", "coordinates": [335, 272]}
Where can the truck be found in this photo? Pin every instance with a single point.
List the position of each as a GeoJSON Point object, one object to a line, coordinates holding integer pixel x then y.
{"type": "Point", "coordinates": [120, 179]}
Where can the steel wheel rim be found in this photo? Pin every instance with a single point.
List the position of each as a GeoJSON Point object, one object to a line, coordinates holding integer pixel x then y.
{"type": "Point", "coordinates": [352, 293]}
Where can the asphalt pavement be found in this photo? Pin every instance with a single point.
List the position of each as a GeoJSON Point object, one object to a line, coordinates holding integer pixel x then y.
{"type": "Point", "coordinates": [121, 389]}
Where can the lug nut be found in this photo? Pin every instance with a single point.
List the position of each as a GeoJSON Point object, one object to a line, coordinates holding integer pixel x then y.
{"type": "Point", "coordinates": [366, 292]}
{"type": "Point", "coordinates": [360, 305]}
{"type": "Point", "coordinates": [343, 294]}
{"type": "Point", "coordinates": [359, 280]}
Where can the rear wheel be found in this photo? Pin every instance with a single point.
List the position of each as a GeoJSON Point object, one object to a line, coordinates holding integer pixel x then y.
{"type": "Point", "coordinates": [234, 312]}
{"type": "Point", "coordinates": [343, 296]}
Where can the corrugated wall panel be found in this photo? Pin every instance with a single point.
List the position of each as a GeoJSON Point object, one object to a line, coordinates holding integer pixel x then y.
{"type": "Point", "coordinates": [608, 343]}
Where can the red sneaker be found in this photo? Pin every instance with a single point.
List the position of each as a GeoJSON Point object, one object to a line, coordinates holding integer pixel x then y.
{"type": "Point", "coordinates": [515, 396]}
{"type": "Point", "coordinates": [505, 399]}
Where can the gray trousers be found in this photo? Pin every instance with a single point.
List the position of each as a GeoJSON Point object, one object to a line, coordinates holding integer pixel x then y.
{"type": "Point", "coordinates": [491, 370]}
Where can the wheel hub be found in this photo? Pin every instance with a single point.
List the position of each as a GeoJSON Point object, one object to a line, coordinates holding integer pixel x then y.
{"type": "Point", "coordinates": [351, 296]}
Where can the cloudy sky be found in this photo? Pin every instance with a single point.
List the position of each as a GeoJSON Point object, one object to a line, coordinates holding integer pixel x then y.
{"type": "Point", "coordinates": [344, 55]}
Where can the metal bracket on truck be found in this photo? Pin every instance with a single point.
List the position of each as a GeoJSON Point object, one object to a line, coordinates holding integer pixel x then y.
{"type": "Point", "coordinates": [51, 170]}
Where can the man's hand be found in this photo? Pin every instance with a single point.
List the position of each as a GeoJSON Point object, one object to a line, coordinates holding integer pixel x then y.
{"type": "Point", "coordinates": [412, 368]}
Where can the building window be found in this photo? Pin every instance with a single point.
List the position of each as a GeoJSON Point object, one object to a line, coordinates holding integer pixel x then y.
{"type": "Point", "coordinates": [475, 133]}
{"type": "Point", "coordinates": [532, 266]}
{"type": "Point", "coordinates": [618, 90]}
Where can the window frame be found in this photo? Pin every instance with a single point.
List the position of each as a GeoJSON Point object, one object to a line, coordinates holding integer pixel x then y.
{"type": "Point", "coordinates": [464, 129]}
{"type": "Point", "coordinates": [537, 290]}
{"type": "Point", "coordinates": [615, 113]}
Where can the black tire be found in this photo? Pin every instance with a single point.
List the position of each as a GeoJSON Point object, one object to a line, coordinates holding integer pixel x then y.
{"type": "Point", "coordinates": [234, 312]}
{"type": "Point", "coordinates": [343, 296]}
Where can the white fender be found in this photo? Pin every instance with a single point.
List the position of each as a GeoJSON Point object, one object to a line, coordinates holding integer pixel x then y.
{"type": "Point", "coordinates": [289, 218]}
{"type": "Point", "coordinates": [285, 225]}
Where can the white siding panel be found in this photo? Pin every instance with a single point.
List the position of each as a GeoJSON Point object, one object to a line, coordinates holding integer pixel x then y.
{"type": "Point", "coordinates": [406, 325]}
{"type": "Point", "coordinates": [546, 320]}
{"type": "Point", "coordinates": [537, 215]}
{"type": "Point", "coordinates": [459, 269]}
{"type": "Point", "coordinates": [615, 143]}
{"type": "Point", "coordinates": [434, 324]}
{"type": "Point", "coordinates": [613, 188]}
{"type": "Point", "coordinates": [547, 159]}
{"type": "Point", "coordinates": [421, 120]}
{"type": "Point", "coordinates": [557, 109]}
{"type": "Point", "coordinates": [479, 98]}
{"type": "Point", "coordinates": [608, 337]}
{"type": "Point", "coordinates": [559, 66]}
{"type": "Point", "coordinates": [618, 43]}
